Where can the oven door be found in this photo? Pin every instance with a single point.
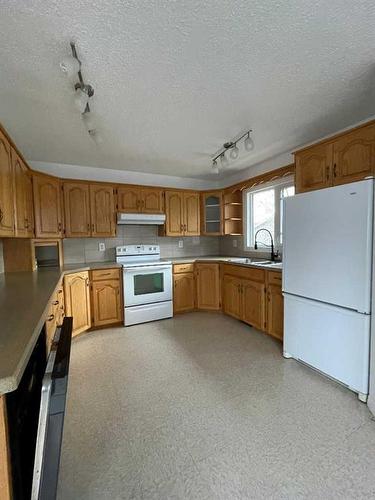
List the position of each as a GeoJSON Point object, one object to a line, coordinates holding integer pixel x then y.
{"type": "Point", "coordinates": [146, 285]}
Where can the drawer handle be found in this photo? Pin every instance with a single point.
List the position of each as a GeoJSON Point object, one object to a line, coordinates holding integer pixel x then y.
{"type": "Point", "coordinates": [51, 317]}
{"type": "Point", "coordinates": [55, 303]}
{"type": "Point", "coordinates": [1, 215]}
{"type": "Point", "coordinates": [104, 274]}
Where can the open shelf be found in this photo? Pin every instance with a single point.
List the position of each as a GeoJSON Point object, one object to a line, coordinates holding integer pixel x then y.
{"type": "Point", "coordinates": [233, 215]}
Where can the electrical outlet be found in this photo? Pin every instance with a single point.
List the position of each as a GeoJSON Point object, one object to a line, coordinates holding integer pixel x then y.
{"type": "Point", "coordinates": [101, 247]}
{"type": "Point", "coordinates": [235, 243]}
{"type": "Point", "coordinates": [180, 243]}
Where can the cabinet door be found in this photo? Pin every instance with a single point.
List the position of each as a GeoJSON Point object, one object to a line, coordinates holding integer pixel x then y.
{"type": "Point", "coordinates": [183, 292]}
{"type": "Point", "coordinates": [29, 204]}
{"type": "Point", "coordinates": [253, 304]}
{"type": "Point", "coordinates": [77, 210]}
{"type": "Point", "coordinates": [275, 311]}
{"type": "Point", "coordinates": [102, 210]}
{"type": "Point", "coordinates": [152, 201]}
{"type": "Point", "coordinates": [19, 186]}
{"type": "Point", "coordinates": [129, 199]}
{"type": "Point", "coordinates": [314, 168]}
{"type": "Point", "coordinates": [354, 155]}
{"type": "Point", "coordinates": [77, 300]}
{"type": "Point", "coordinates": [232, 296]}
{"type": "Point", "coordinates": [6, 189]}
{"type": "Point", "coordinates": [191, 214]}
{"type": "Point", "coordinates": [208, 286]}
{"type": "Point", "coordinates": [47, 205]}
{"type": "Point", "coordinates": [212, 214]}
{"type": "Point", "coordinates": [174, 201]}
{"type": "Point", "coordinates": [106, 302]}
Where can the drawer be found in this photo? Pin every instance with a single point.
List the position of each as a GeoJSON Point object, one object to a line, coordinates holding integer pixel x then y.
{"type": "Point", "coordinates": [183, 268]}
{"type": "Point", "coordinates": [105, 274]}
{"type": "Point", "coordinates": [274, 277]}
{"type": "Point", "coordinates": [244, 272]}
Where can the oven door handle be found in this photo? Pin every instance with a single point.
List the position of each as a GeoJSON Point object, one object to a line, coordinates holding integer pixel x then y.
{"type": "Point", "coordinates": [147, 268]}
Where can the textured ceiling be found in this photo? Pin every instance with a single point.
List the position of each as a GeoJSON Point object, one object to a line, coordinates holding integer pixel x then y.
{"type": "Point", "coordinates": [175, 79]}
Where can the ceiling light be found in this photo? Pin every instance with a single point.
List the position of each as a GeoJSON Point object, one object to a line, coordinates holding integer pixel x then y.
{"type": "Point", "coordinates": [70, 65]}
{"type": "Point", "coordinates": [224, 160]}
{"type": "Point", "coordinates": [88, 121]}
{"type": "Point", "coordinates": [96, 137]}
{"type": "Point", "coordinates": [248, 142]}
{"type": "Point", "coordinates": [234, 152]}
{"type": "Point", "coordinates": [232, 148]}
{"type": "Point", "coordinates": [81, 100]}
{"type": "Point", "coordinates": [215, 167]}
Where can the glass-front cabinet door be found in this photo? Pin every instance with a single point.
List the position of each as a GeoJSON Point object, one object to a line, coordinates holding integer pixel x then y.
{"type": "Point", "coordinates": [212, 213]}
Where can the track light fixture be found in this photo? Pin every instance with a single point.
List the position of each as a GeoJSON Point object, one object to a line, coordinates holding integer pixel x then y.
{"type": "Point", "coordinates": [71, 66]}
{"type": "Point", "coordinates": [233, 150]}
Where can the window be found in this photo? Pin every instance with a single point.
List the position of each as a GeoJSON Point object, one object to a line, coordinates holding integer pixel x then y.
{"type": "Point", "coordinates": [264, 210]}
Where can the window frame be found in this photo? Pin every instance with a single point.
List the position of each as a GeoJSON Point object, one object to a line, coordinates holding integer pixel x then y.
{"type": "Point", "coordinates": [248, 227]}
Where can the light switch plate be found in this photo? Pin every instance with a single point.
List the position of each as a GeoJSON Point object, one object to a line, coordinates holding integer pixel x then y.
{"type": "Point", "coordinates": [101, 247]}
{"type": "Point", "coordinates": [180, 243]}
{"type": "Point", "coordinates": [235, 243]}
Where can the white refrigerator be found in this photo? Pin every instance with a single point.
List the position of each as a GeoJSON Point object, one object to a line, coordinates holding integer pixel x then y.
{"type": "Point", "coordinates": [327, 276]}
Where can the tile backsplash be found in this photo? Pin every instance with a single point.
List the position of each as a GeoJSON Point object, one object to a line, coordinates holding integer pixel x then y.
{"type": "Point", "coordinates": [78, 250]}
{"type": "Point", "coordinates": [227, 248]}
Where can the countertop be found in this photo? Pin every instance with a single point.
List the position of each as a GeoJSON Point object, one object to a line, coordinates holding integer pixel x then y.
{"type": "Point", "coordinates": [24, 303]}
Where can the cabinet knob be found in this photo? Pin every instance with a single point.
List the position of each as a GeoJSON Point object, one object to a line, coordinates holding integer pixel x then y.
{"type": "Point", "coordinates": [51, 317]}
{"type": "Point", "coordinates": [334, 170]}
{"type": "Point", "coordinates": [55, 303]}
{"type": "Point", "coordinates": [1, 215]}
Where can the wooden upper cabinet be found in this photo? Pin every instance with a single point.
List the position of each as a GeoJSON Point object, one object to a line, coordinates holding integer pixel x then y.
{"type": "Point", "coordinates": [77, 300]}
{"type": "Point", "coordinates": [208, 286]}
{"type": "Point", "coordinates": [47, 205]}
{"type": "Point", "coordinates": [232, 296]}
{"type": "Point", "coordinates": [140, 199]}
{"type": "Point", "coordinates": [77, 209]}
{"type": "Point", "coordinates": [128, 199]}
{"type": "Point", "coordinates": [183, 292]}
{"type": "Point", "coordinates": [354, 155]}
{"type": "Point", "coordinates": [191, 214]}
{"type": "Point", "coordinates": [253, 304]}
{"type": "Point", "coordinates": [102, 210]}
{"type": "Point", "coordinates": [6, 189]}
{"type": "Point", "coordinates": [174, 207]}
{"type": "Point", "coordinates": [314, 168]}
{"type": "Point", "coordinates": [23, 197]}
{"type": "Point", "coordinates": [152, 201]}
{"type": "Point", "coordinates": [182, 213]}
{"type": "Point", "coordinates": [212, 213]}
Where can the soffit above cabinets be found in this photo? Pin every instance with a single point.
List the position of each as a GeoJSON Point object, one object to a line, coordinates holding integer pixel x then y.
{"type": "Point", "coordinates": [174, 80]}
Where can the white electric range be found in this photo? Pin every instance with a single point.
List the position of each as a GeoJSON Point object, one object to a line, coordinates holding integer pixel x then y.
{"type": "Point", "coordinates": [147, 282]}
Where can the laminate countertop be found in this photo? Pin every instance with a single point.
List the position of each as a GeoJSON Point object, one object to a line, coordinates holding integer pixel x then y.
{"type": "Point", "coordinates": [24, 306]}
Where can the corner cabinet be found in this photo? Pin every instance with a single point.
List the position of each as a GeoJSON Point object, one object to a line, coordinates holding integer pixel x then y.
{"type": "Point", "coordinates": [106, 297]}
{"type": "Point", "coordinates": [6, 189]}
{"type": "Point", "coordinates": [208, 286]}
{"type": "Point", "coordinates": [77, 300]}
{"type": "Point", "coordinates": [348, 157]}
{"type": "Point", "coordinates": [47, 206]}
{"type": "Point", "coordinates": [182, 213]}
{"type": "Point", "coordinates": [212, 213]}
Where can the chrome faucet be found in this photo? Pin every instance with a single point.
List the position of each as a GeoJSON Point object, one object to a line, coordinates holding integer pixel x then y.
{"type": "Point", "coordinates": [274, 253]}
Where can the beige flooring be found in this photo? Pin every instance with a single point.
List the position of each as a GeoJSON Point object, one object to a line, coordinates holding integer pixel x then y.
{"type": "Point", "coordinates": [202, 406]}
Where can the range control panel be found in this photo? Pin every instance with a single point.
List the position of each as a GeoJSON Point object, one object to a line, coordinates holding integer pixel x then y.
{"type": "Point", "coordinates": [138, 250]}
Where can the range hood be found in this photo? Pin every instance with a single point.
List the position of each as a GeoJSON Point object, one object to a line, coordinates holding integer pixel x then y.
{"type": "Point", "coordinates": [142, 219]}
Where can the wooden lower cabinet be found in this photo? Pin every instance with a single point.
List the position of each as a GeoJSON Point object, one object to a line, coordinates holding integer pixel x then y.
{"type": "Point", "coordinates": [253, 304]}
{"type": "Point", "coordinates": [56, 314]}
{"type": "Point", "coordinates": [77, 300]}
{"type": "Point", "coordinates": [106, 302]}
{"type": "Point", "coordinates": [183, 292]}
{"type": "Point", "coordinates": [275, 311]}
{"type": "Point", "coordinates": [208, 286]}
{"type": "Point", "coordinates": [232, 296]}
